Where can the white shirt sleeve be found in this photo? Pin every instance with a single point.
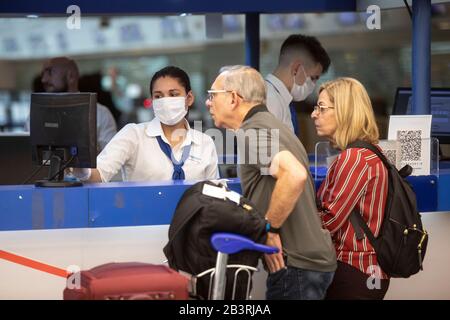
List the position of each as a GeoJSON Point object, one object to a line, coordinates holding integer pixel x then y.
{"type": "Point", "coordinates": [118, 152]}
{"type": "Point", "coordinates": [106, 126]}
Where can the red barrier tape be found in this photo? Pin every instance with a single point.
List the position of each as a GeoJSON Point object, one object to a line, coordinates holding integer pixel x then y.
{"type": "Point", "coordinates": [33, 264]}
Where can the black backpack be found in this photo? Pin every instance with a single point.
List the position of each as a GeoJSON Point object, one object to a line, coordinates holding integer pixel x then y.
{"type": "Point", "coordinates": [402, 241]}
{"type": "Point", "coordinates": [197, 216]}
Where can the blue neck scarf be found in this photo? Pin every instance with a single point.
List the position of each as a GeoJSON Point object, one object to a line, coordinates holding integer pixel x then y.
{"type": "Point", "coordinates": [178, 173]}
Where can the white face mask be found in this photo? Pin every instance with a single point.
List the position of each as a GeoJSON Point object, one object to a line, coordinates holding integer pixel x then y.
{"type": "Point", "coordinates": [301, 92]}
{"type": "Point", "coordinates": [170, 110]}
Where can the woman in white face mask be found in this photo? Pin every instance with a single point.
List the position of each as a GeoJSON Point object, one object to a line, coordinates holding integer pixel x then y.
{"type": "Point", "coordinates": [171, 98]}
{"type": "Point", "coordinates": [165, 148]}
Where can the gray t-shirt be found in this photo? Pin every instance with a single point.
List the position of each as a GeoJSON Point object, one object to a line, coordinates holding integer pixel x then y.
{"type": "Point", "coordinates": [305, 243]}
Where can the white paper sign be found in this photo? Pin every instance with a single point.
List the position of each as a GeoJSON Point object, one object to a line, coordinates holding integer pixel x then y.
{"type": "Point", "coordinates": [413, 133]}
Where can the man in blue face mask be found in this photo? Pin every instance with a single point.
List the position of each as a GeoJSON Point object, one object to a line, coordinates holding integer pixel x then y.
{"type": "Point", "coordinates": [302, 61]}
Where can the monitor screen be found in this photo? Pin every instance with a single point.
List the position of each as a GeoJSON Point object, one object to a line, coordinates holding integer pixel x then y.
{"type": "Point", "coordinates": [63, 130]}
{"type": "Point", "coordinates": [440, 110]}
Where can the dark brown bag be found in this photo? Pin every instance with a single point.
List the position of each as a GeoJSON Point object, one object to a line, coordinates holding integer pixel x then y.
{"type": "Point", "coordinates": [130, 281]}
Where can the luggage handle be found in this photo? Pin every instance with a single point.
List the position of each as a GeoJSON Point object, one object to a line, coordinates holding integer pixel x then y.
{"type": "Point", "coordinates": [230, 243]}
{"type": "Point", "coordinates": [211, 272]}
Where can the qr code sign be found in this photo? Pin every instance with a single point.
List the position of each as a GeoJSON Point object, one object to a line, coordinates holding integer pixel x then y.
{"type": "Point", "coordinates": [411, 144]}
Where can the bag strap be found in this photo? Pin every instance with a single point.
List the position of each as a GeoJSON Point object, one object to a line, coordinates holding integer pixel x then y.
{"type": "Point", "coordinates": [358, 223]}
{"type": "Point", "coordinates": [356, 219]}
{"type": "Point", "coordinates": [371, 147]}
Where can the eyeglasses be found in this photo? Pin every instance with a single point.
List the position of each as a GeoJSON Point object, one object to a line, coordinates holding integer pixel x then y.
{"type": "Point", "coordinates": [321, 109]}
{"type": "Point", "coordinates": [211, 93]}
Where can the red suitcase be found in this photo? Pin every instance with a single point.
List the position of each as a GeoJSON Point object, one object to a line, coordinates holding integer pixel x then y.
{"type": "Point", "coordinates": [130, 281]}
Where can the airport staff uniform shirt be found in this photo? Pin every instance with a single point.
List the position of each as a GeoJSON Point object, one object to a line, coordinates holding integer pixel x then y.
{"type": "Point", "coordinates": [278, 99]}
{"type": "Point", "coordinates": [135, 151]}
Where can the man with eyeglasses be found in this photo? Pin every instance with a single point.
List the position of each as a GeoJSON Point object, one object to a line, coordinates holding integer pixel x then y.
{"type": "Point", "coordinates": [301, 62]}
{"type": "Point", "coordinates": [273, 169]}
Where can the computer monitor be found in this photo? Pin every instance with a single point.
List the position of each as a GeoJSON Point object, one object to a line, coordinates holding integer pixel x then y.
{"type": "Point", "coordinates": [440, 110]}
{"type": "Point", "coordinates": [63, 133]}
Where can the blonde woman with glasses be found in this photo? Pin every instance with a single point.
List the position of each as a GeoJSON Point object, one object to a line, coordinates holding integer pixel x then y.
{"type": "Point", "coordinates": [356, 180]}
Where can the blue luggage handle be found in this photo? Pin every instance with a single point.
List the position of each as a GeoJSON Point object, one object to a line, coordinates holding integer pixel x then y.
{"type": "Point", "coordinates": [230, 243]}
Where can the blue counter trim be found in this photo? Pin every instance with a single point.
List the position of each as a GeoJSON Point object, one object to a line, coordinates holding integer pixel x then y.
{"type": "Point", "coordinates": [136, 204]}
{"type": "Point", "coordinates": [92, 205]}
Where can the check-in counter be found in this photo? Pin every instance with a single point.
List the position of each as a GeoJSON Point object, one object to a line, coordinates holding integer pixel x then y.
{"type": "Point", "coordinates": [99, 223]}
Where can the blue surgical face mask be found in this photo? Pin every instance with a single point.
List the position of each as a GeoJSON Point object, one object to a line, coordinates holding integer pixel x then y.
{"type": "Point", "coordinates": [301, 92]}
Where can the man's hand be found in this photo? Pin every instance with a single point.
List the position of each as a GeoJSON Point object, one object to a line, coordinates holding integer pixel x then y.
{"type": "Point", "coordinates": [274, 261]}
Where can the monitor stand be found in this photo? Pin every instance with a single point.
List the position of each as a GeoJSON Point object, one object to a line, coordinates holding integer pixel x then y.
{"type": "Point", "coordinates": [56, 176]}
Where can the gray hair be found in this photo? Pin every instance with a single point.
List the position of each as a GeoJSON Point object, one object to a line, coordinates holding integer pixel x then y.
{"type": "Point", "coordinates": [246, 81]}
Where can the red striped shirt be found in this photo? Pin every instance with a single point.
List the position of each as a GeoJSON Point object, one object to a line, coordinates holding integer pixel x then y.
{"type": "Point", "coordinates": [356, 179]}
